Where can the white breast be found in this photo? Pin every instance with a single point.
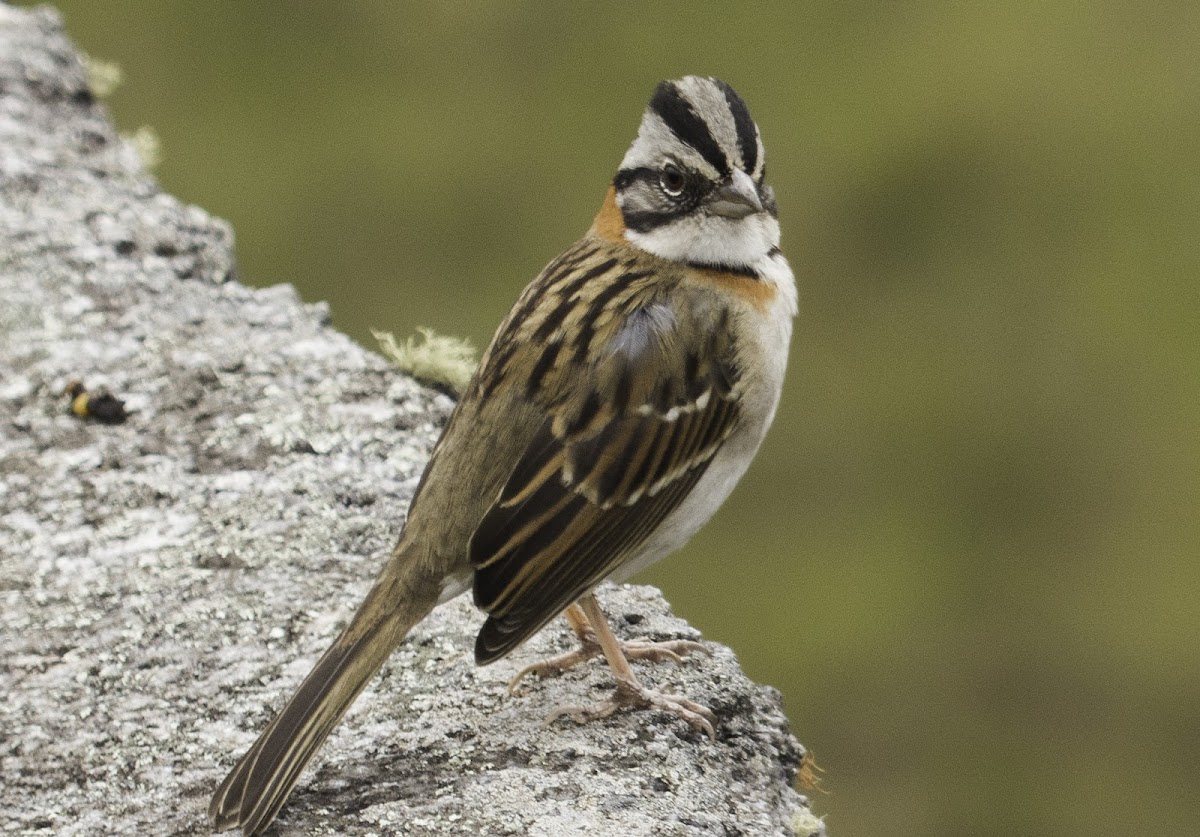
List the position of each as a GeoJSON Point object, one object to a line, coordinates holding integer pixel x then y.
{"type": "Point", "coordinates": [764, 352]}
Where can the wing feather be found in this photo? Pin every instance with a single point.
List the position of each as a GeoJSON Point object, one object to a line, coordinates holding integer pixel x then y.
{"type": "Point", "coordinates": [625, 435]}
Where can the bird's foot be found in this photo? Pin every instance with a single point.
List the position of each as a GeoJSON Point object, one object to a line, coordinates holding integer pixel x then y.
{"type": "Point", "coordinates": [673, 650]}
{"type": "Point", "coordinates": [556, 665]}
{"type": "Point", "coordinates": [633, 695]}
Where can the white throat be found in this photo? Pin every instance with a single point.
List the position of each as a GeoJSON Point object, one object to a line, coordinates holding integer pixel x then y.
{"type": "Point", "coordinates": [712, 240]}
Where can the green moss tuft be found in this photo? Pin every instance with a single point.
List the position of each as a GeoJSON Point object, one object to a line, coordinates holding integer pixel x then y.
{"type": "Point", "coordinates": [445, 362]}
{"type": "Point", "coordinates": [103, 77]}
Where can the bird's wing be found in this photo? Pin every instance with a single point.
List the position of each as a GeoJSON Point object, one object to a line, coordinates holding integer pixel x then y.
{"type": "Point", "coordinates": [629, 429]}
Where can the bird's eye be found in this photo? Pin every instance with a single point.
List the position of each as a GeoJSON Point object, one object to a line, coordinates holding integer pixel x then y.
{"type": "Point", "coordinates": [672, 181]}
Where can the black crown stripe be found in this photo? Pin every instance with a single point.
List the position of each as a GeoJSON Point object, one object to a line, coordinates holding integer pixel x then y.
{"type": "Point", "coordinates": [685, 123]}
{"type": "Point", "coordinates": [746, 133]}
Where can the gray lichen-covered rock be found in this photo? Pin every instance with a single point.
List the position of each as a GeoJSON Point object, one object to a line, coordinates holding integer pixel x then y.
{"type": "Point", "coordinates": [167, 580]}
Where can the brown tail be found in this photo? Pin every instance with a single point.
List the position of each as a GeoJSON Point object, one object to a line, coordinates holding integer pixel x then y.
{"type": "Point", "coordinates": [261, 782]}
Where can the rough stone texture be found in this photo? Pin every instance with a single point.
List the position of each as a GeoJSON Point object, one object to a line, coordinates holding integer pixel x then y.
{"type": "Point", "coordinates": [166, 581]}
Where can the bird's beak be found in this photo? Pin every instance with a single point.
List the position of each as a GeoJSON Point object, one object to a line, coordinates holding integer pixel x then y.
{"type": "Point", "coordinates": [736, 198]}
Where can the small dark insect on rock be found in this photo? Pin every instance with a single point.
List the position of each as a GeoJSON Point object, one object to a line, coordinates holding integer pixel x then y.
{"type": "Point", "coordinates": [101, 405]}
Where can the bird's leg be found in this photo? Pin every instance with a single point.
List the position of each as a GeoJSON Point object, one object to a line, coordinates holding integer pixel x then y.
{"type": "Point", "coordinates": [629, 692]}
{"type": "Point", "coordinates": [590, 647]}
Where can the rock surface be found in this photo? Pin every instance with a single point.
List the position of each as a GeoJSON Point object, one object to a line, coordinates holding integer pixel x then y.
{"type": "Point", "coordinates": [166, 581]}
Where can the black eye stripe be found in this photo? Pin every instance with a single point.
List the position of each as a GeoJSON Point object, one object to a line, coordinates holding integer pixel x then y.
{"type": "Point", "coordinates": [644, 220]}
{"type": "Point", "coordinates": [646, 174]}
{"type": "Point", "coordinates": [626, 177]}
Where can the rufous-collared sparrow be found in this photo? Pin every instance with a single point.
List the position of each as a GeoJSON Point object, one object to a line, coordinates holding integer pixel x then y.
{"type": "Point", "coordinates": [620, 401]}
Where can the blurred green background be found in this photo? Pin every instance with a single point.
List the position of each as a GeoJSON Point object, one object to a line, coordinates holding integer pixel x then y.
{"type": "Point", "coordinates": [968, 552]}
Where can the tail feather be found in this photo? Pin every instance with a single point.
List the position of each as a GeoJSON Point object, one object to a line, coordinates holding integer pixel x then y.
{"type": "Point", "coordinates": [260, 783]}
